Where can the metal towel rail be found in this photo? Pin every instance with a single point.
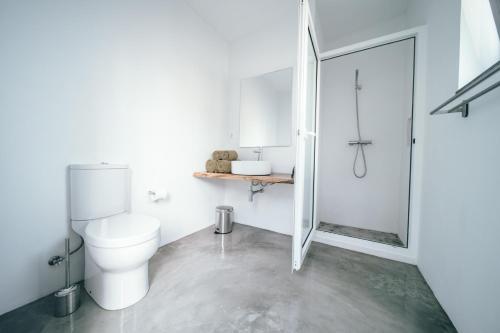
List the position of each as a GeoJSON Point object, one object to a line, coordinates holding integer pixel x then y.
{"type": "Point", "coordinates": [463, 107]}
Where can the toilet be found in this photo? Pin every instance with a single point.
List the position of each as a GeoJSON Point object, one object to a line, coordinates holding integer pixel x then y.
{"type": "Point", "coordinates": [118, 244]}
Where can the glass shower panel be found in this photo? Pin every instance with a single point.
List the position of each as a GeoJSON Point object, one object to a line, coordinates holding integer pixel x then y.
{"type": "Point", "coordinates": [312, 74]}
{"type": "Point", "coordinates": [308, 213]}
{"type": "Point", "coordinates": [310, 141]}
{"type": "Point", "coordinates": [306, 166]}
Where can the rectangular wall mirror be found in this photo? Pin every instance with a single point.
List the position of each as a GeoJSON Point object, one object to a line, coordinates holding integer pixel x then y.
{"type": "Point", "coordinates": [266, 110]}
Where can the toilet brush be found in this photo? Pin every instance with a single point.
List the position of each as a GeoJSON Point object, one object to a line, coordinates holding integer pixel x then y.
{"type": "Point", "coordinates": [67, 299]}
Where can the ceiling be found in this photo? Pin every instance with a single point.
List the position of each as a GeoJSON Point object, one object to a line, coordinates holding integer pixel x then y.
{"type": "Point", "coordinates": [337, 18]}
{"type": "Point", "coordinates": [233, 19]}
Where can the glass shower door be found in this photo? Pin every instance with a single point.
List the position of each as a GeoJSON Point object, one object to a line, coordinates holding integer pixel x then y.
{"type": "Point", "coordinates": [306, 165]}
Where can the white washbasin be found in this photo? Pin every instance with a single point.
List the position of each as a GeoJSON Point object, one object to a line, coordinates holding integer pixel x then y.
{"type": "Point", "coordinates": [251, 168]}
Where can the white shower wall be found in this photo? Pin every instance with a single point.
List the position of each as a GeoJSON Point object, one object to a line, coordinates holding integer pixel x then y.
{"type": "Point", "coordinates": [380, 200]}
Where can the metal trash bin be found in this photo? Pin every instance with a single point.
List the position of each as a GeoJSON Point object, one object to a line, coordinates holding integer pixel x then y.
{"type": "Point", "coordinates": [223, 219]}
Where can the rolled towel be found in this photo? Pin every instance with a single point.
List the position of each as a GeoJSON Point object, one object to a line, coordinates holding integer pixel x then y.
{"type": "Point", "coordinates": [228, 155]}
{"type": "Point", "coordinates": [211, 165]}
{"type": "Point", "coordinates": [224, 166]}
{"type": "Point", "coordinates": [218, 166]}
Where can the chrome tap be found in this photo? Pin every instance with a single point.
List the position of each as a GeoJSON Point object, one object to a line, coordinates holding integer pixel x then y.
{"type": "Point", "coordinates": [259, 151]}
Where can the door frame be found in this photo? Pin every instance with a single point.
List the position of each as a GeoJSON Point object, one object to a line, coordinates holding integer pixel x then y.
{"type": "Point", "coordinates": [410, 253]}
{"type": "Point", "coordinates": [305, 22]}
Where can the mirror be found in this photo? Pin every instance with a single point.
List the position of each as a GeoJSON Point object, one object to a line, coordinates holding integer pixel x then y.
{"type": "Point", "coordinates": [266, 110]}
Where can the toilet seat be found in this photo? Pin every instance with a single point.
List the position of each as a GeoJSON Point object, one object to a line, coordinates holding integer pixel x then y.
{"type": "Point", "coordinates": [121, 230]}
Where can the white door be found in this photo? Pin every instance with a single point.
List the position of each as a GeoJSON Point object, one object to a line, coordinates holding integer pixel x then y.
{"type": "Point", "coordinates": [307, 115]}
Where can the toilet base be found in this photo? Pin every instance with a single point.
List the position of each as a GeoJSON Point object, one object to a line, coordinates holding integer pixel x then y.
{"type": "Point", "coordinates": [115, 290]}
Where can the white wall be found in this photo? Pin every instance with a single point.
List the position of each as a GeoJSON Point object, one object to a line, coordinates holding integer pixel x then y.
{"type": "Point", "coordinates": [459, 236]}
{"type": "Point", "coordinates": [143, 83]}
{"type": "Point", "coordinates": [265, 51]}
{"type": "Point", "coordinates": [380, 29]}
{"type": "Point", "coordinates": [380, 200]}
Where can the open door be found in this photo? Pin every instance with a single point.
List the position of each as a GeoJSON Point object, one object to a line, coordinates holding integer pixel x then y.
{"type": "Point", "coordinates": [307, 115]}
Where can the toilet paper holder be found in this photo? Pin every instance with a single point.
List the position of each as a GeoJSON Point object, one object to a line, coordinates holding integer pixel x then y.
{"type": "Point", "coordinates": [157, 194]}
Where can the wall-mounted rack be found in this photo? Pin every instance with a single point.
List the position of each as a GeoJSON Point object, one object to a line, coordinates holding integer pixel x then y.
{"type": "Point", "coordinates": [275, 178]}
{"type": "Point", "coordinates": [463, 106]}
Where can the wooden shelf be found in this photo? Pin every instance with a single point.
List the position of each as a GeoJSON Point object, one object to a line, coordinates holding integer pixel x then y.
{"type": "Point", "coordinates": [275, 178]}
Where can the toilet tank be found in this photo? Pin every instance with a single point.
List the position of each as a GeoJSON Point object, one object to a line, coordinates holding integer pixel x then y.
{"type": "Point", "coordinates": [98, 190]}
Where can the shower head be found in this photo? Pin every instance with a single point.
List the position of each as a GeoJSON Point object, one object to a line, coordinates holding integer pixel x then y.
{"type": "Point", "coordinates": [357, 86]}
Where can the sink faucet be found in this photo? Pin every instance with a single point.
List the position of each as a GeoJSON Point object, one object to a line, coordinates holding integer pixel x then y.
{"type": "Point", "coordinates": [259, 151]}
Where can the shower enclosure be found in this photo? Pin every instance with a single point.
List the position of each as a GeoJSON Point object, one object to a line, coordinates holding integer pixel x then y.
{"type": "Point", "coordinates": [361, 112]}
{"type": "Point", "coordinates": [365, 145]}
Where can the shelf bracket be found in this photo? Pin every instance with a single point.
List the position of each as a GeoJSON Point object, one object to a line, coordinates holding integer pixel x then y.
{"type": "Point", "coordinates": [464, 109]}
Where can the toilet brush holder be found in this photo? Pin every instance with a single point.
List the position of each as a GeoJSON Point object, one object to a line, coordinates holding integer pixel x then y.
{"type": "Point", "coordinates": [67, 299]}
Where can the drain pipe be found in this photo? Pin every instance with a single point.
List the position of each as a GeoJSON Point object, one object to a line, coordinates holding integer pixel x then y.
{"type": "Point", "coordinates": [256, 187]}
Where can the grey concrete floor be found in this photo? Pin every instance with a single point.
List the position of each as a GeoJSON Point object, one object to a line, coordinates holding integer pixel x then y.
{"type": "Point", "coordinates": [242, 282]}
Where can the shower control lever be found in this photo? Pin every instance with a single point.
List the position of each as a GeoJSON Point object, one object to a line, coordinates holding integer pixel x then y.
{"type": "Point", "coordinates": [359, 142]}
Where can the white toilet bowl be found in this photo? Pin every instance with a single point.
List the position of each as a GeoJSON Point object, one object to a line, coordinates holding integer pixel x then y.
{"type": "Point", "coordinates": [118, 249]}
{"type": "Point", "coordinates": [118, 245]}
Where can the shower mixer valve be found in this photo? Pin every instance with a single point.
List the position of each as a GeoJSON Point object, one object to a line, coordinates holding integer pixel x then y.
{"type": "Point", "coordinates": [359, 142]}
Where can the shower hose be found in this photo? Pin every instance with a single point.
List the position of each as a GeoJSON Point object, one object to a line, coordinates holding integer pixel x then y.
{"type": "Point", "coordinates": [359, 146]}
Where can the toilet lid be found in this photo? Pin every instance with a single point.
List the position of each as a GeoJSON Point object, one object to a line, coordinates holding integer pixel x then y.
{"type": "Point", "coordinates": [122, 230]}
